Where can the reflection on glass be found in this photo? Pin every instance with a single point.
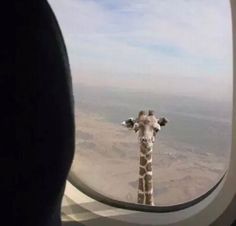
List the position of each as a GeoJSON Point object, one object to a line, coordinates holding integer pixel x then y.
{"type": "Point", "coordinates": [173, 57]}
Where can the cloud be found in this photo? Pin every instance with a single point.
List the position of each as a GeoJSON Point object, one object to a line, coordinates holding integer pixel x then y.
{"type": "Point", "coordinates": [130, 41]}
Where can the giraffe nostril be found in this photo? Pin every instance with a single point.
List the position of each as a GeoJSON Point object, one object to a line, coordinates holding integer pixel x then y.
{"type": "Point", "coordinates": [144, 139]}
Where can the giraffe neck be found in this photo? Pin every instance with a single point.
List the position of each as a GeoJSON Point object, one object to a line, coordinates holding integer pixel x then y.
{"type": "Point", "coordinates": [145, 185]}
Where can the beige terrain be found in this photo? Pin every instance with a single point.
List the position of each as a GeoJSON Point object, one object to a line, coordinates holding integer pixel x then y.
{"type": "Point", "coordinates": [107, 160]}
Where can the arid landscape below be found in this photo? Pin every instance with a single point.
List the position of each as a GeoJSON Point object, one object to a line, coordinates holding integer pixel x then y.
{"type": "Point", "coordinates": [107, 160]}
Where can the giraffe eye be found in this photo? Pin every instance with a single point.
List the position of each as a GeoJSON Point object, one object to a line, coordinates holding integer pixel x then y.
{"type": "Point", "coordinates": [136, 127]}
{"type": "Point", "coordinates": [155, 132]}
{"type": "Point", "coordinates": [157, 128]}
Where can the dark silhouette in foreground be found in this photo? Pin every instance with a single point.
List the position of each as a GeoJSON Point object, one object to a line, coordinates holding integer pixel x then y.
{"type": "Point", "coordinates": [37, 122]}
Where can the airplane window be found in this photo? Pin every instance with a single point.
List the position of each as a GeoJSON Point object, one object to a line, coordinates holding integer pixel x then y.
{"type": "Point", "coordinates": [172, 57]}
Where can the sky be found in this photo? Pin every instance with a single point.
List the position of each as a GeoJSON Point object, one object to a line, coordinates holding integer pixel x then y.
{"type": "Point", "coordinates": [175, 46]}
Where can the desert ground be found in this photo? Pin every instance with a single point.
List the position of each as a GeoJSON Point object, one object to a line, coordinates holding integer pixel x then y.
{"type": "Point", "coordinates": [107, 159]}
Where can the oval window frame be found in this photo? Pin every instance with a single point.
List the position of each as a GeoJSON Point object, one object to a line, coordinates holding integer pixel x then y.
{"type": "Point", "coordinates": [207, 207]}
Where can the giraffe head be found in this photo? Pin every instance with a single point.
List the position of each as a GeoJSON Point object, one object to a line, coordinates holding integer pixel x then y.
{"type": "Point", "coordinates": [147, 126]}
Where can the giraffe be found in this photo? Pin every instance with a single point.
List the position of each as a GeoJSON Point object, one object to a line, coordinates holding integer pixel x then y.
{"type": "Point", "coordinates": [147, 126]}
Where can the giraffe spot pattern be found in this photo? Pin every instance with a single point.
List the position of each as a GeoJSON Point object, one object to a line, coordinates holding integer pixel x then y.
{"type": "Point", "coordinates": [149, 199]}
{"type": "Point", "coordinates": [142, 171]}
{"type": "Point", "coordinates": [141, 184]}
{"type": "Point", "coordinates": [145, 192]}
{"type": "Point", "coordinates": [141, 198]}
{"type": "Point", "coordinates": [149, 167]}
{"type": "Point", "coordinates": [143, 161]}
{"type": "Point", "coordinates": [148, 156]}
{"type": "Point", "coordinates": [148, 177]}
{"type": "Point", "coordinates": [143, 151]}
{"type": "Point", "coordinates": [148, 186]}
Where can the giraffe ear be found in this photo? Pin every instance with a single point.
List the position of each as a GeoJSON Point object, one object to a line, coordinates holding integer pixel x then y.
{"type": "Point", "coordinates": [141, 113]}
{"type": "Point", "coordinates": [150, 112]}
{"type": "Point", "coordinates": [163, 121]}
{"type": "Point", "coordinates": [129, 123]}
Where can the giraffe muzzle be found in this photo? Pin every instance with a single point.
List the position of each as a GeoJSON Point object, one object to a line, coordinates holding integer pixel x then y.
{"type": "Point", "coordinates": [147, 142]}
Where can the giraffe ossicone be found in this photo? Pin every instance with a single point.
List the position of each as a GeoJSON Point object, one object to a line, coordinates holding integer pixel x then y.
{"type": "Point", "coordinates": [147, 126]}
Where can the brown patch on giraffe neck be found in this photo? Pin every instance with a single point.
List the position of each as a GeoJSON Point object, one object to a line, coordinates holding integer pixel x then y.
{"type": "Point", "coordinates": [148, 156]}
{"type": "Point", "coordinates": [143, 161]}
{"type": "Point", "coordinates": [141, 198]}
{"type": "Point", "coordinates": [148, 177]}
{"type": "Point", "coordinates": [149, 166]}
{"type": "Point", "coordinates": [148, 186]}
{"type": "Point", "coordinates": [149, 199]}
{"type": "Point", "coordinates": [142, 171]}
{"type": "Point", "coordinates": [141, 184]}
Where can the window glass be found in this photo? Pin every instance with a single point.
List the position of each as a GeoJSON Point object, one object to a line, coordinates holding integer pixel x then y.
{"type": "Point", "coordinates": [173, 57]}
